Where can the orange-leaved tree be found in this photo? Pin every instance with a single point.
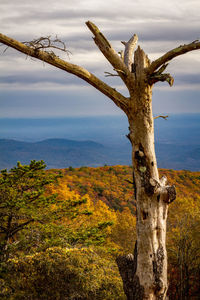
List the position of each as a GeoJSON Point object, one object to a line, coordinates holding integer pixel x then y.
{"type": "Point", "coordinates": [144, 274]}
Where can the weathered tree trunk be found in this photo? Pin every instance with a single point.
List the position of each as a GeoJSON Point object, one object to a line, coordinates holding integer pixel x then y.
{"type": "Point", "coordinates": [149, 279]}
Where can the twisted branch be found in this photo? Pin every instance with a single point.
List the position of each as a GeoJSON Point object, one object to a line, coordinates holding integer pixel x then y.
{"type": "Point", "coordinates": [182, 49]}
{"type": "Point", "coordinates": [161, 77]}
{"type": "Point", "coordinates": [158, 76]}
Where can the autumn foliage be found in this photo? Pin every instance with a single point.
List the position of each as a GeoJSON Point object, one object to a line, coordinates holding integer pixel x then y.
{"type": "Point", "coordinates": [71, 252]}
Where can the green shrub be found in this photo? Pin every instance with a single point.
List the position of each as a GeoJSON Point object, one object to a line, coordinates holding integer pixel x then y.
{"type": "Point", "coordinates": [60, 274]}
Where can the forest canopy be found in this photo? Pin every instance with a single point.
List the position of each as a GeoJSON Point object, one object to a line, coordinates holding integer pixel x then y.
{"type": "Point", "coordinates": [83, 220]}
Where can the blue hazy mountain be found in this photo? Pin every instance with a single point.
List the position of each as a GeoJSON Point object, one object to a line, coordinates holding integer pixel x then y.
{"type": "Point", "coordinates": [94, 141]}
{"type": "Point", "coordinates": [60, 153]}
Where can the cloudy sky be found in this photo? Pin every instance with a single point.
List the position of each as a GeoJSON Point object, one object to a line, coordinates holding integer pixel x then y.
{"type": "Point", "coordinates": [30, 88]}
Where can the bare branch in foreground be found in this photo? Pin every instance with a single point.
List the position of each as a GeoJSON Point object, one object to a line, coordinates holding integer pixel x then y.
{"type": "Point", "coordinates": [110, 54]}
{"type": "Point", "coordinates": [164, 117]}
{"type": "Point", "coordinates": [195, 45]}
{"type": "Point", "coordinates": [59, 63]}
{"type": "Point", "coordinates": [5, 48]}
{"type": "Point", "coordinates": [155, 77]}
{"type": "Point", "coordinates": [46, 43]}
{"type": "Point", "coordinates": [107, 74]}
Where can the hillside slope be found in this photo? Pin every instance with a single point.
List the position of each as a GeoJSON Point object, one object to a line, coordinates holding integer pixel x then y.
{"type": "Point", "coordinates": [113, 184]}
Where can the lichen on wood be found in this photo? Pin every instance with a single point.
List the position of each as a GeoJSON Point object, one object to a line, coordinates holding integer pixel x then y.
{"type": "Point", "coordinates": [144, 170]}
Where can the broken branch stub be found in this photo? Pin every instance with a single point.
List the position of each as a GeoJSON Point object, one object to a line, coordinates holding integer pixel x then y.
{"type": "Point", "coordinates": [161, 188]}
{"type": "Point", "coordinates": [155, 77]}
{"type": "Point", "coordinates": [161, 116]}
{"type": "Point", "coordinates": [129, 50]}
{"type": "Point", "coordinates": [107, 74]}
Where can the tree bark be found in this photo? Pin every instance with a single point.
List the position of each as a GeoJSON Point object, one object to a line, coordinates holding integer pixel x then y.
{"type": "Point", "coordinates": [149, 279]}
{"type": "Point", "coordinates": [151, 273]}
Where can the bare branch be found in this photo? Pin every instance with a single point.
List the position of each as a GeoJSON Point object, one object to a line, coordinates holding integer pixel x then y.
{"type": "Point", "coordinates": [155, 77]}
{"type": "Point", "coordinates": [119, 71]}
{"type": "Point", "coordinates": [129, 49]}
{"type": "Point", "coordinates": [129, 181]}
{"type": "Point", "coordinates": [111, 55]}
{"type": "Point", "coordinates": [158, 76]}
{"type": "Point", "coordinates": [164, 117]}
{"type": "Point", "coordinates": [171, 54]}
{"type": "Point", "coordinates": [19, 227]}
{"type": "Point", "coordinates": [78, 71]}
{"type": "Point", "coordinates": [46, 43]}
{"type": "Point", "coordinates": [110, 74]}
{"type": "Point", "coordinates": [162, 69]}
{"type": "Point", "coordinates": [4, 49]}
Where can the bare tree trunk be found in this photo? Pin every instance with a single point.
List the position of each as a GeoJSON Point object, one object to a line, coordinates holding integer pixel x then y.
{"type": "Point", "coordinates": [149, 266]}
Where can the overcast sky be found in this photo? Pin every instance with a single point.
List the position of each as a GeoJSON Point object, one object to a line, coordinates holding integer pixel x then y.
{"type": "Point", "coordinates": [30, 88]}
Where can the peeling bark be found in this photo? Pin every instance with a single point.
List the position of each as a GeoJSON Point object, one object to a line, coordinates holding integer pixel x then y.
{"type": "Point", "coordinates": [151, 193]}
{"type": "Point", "coordinates": [129, 50]}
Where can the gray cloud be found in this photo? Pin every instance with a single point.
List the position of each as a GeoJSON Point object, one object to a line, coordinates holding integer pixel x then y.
{"type": "Point", "coordinates": [24, 79]}
{"type": "Point", "coordinates": [161, 25]}
{"type": "Point", "coordinates": [66, 79]}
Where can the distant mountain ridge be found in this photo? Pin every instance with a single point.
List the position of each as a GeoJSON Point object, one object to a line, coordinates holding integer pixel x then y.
{"type": "Point", "coordinates": [62, 153]}
{"type": "Point", "coordinates": [69, 143]}
{"type": "Point", "coordinates": [57, 153]}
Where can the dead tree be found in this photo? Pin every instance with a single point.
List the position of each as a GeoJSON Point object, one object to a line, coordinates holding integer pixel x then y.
{"type": "Point", "coordinates": [144, 274]}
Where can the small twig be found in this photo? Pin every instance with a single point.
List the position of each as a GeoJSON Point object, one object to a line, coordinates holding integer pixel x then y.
{"type": "Point", "coordinates": [164, 117]}
{"type": "Point", "coordinates": [110, 74]}
{"type": "Point", "coordinates": [44, 43]}
{"type": "Point", "coordinates": [5, 48]}
{"type": "Point", "coordinates": [161, 69]}
{"type": "Point", "coordinates": [129, 181]}
{"type": "Point", "coordinates": [119, 71]}
{"type": "Point", "coordinates": [196, 41]}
